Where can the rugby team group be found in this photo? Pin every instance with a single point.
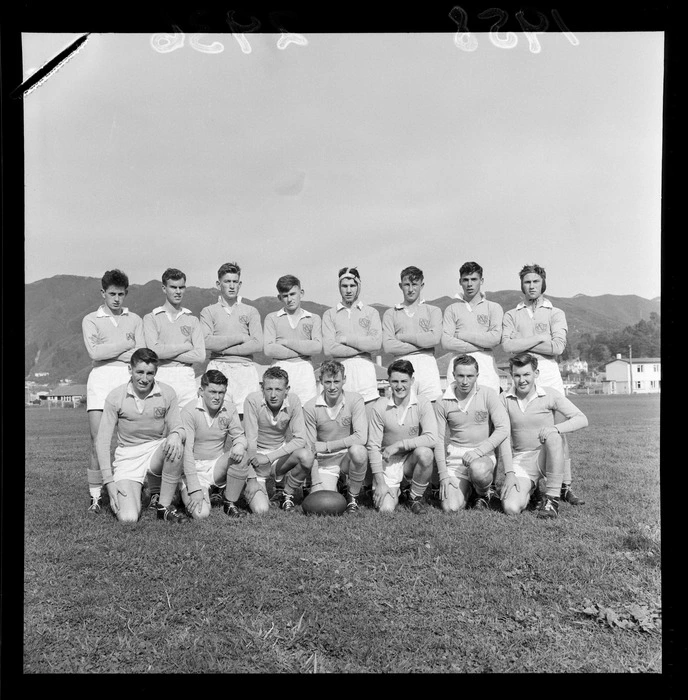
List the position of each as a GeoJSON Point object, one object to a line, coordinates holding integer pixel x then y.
{"type": "Point", "coordinates": [249, 442]}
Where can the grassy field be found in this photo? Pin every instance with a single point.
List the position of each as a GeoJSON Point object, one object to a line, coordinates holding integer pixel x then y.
{"type": "Point", "coordinates": [472, 593]}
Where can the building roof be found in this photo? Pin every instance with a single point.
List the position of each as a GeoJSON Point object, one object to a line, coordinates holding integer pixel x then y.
{"type": "Point", "coordinates": [638, 360]}
{"type": "Point", "coordinates": [69, 390]}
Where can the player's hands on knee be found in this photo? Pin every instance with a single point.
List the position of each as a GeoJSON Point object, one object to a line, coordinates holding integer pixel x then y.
{"type": "Point", "coordinates": [113, 492]}
{"type": "Point", "coordinates": [259, 460]}
{"type": "Point", "coordinates": [236, 454]}
{"type": "Point", "coordinates": [469, 457]}
{"type": "Point", "coordinates": [195, 501]}
{"type": "Point", "coordinates": [380, 491]}
{"type": "Point", "coordinates": [391, 450]}
{"type": "Point", "coordinates": [546, 432]}
{"type": "Point", "coordinates": [510, 481]}
{"type": "Point", "coordinates": [173, 448]}
{"type": "Point", "coordinates": [446, 486]}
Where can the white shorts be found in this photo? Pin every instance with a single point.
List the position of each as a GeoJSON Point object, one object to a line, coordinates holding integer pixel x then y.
{"type": "Point", "coordinates": [394, 469]}
{"type": "Point", "coordinates": [361, 377]}
{"type": "Point", "coordinates": [329, 469]}
{"type": "Point", "coordinates": [487, 369]}
{"type": "Point", "coordinates": [269, 469]}
{"type": "Point", "coordinates": [101, 381]}
{"type": "Point", "coordinates": [549, 374]}
{"type": "Point", "coordinates": [455, 465]}
{"type": "Point", "coordinates": [242, 380]}
{"type": "Point", "coordinates": [301, 378]}
{"type": "Point", "coordinates": [530, 464]}
{"type": "Point", "coordinates": [205, 470]}
{"type": "Point", "coordinates": [133, 461]}
{"type": "Point", "coordinates": [182, 380]}
{"type": "Point", "coordinates": [426, 376]}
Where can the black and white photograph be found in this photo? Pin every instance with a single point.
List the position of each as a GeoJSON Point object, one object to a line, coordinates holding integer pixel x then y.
{"type": "Point", "coordinates": [343, 348]}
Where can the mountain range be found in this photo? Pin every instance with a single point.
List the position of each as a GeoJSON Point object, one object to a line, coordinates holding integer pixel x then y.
{"type": "Point", "coordinates": [55, 307]}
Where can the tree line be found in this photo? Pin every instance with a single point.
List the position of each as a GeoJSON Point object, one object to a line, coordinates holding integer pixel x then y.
{"type": "Point", "coordinates": [644, 339]}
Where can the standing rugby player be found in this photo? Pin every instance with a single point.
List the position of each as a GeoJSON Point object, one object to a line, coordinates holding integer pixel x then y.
{"type": "Point", "coordinates": [537, 327]}
{"type": "Point", "coordinates": [111, 334]}
{"type": "Point", "coordinates": [473, 325]}
{"type": "Point", "coordinates": [291, 336]}
{"type": "Point", "coordinates": [232, 332]}
{"type": "Point", "coordinates": [411, 330]}
{"type": "Point", "coordinates": [351, 332]}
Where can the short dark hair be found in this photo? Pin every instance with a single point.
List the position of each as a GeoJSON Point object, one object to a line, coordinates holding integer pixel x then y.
{"type": "Point", "coordinates": [468, 268]}
{"type": "Point", "coordinates": [332, 367]}
{"type": "Point", "coordinates": [536, 269]}
{"type": "Point", "coordinates": [412, 272]}
{"type": "Point", "coordinates": [172, 273]}
{"type": "Point", "coordinates": [465, 360]}
{"type": "Point", "coordinates": [403, 366]}
{"type": "Point", "coordinates": [523, 359]}
{"type": "Point", "coordinates": [114, 278]}
{"type": "Point", "coordinates": [275, 373]}
{"type": "Point", "coordinates": [286, 282]}
{"type": "Point", "coordinates": [227, 268]}
{"type": "Point", "coordinates": [150, 357]}
{"type": "Point", "coordinates": [213, 376]}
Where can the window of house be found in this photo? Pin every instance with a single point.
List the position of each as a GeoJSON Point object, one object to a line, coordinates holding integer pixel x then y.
{"type": "Point", "coordinates": [639, 368]}
{"type": "Point", "coordinates": [638, 385]}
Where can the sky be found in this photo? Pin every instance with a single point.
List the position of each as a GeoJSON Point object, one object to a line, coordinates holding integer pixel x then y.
{"type": "Point", "coordinates": [374, 150]}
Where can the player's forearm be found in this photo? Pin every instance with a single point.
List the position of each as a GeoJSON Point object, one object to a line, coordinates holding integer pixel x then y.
{"type": "Point", "coordinates": [304, 347]}
{"type": "Point", "coordinates": [108, 351]}
{"type": "Point", "coordinates": [505, 455]}
{"type": "Point", "coordinates": [190, 472]}
{"type": "Point", "coordinates": [248, 347]}
{"type": "Point", "coordinates": [218, 343]}
{"type": "Point", "coordinates": [485, 340]}
{"type": "Point", "coordinates": [456, 345]}
{"type": "Point", "coordinates": [277, 351]}
{"type": "Point", "coordinates": [512, 345]}
{"type": "Point", "coordinates": [575, 422]}
{"type": "Point", "coordinates": [195, 355]}
{"type": "Point", "coordinates": [397, 347]}
{"type": "Point", "coordinates": [335, 349]}
{"type": "Point", "coordinates": [168, 351]}
{"type": "Point", "coordinates": [422, 341]}
{"type": "Point", "coordinates": [296, 443]}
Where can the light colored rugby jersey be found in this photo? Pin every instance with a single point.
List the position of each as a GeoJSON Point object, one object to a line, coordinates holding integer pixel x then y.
{"type": "Point", "coordinates": [231, 333]}
{"type": "Point", "coordinates": [415, 424]}
{"type": "Point", "coordinates": [479, 325]}
{"type": "Point", "coordinates": [267, 433]}
{"type": "Point", "coordinates": [175, 336]}
{"type": "Point", "coordinates": [110, 338]}
{"type": "Point", "coordinates": [137, 420]}
{"type": "Point", "coordinates": [525, 322]}
{"type": "Point", "coordinates": [361, 327]}
{"type": "Point", "coordinates": [424, 324]}
{"type": "Point", "coordinates": [206, 437]}
{"type": "Point", "coordinates": [528, 417]}
{"type": "Point", "coordinates": [483, 424]}
{"type": "Point", "coordinates": [305, 334]}
{"type": "Point", "coordinates": [337, 428]}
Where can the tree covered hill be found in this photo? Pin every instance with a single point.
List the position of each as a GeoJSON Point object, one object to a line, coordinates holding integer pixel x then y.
{"type": "Point", "coordinates": [55, 307]}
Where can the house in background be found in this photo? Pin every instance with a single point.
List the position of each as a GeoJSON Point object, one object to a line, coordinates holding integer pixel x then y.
{"type": "Point", "coordinates": [72, 393]}
{"type": "Point", "coordinates": [641, 375]}
{"type": "Point", "coordinates": [576, 366]}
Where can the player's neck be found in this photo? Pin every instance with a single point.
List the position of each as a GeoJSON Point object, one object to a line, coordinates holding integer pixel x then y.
{"type": "Point", "coordinates": [463, 396]}
{"type": "Point", "coordinates": [411, 304]}
{"type": "Point", "coordinates": [528, 395]}
{"type": "Point", "coordinates": [295, 312]}
{"type": "Point", "coordinates": [142, 395]}
{"type": "Point", "coordinates": [401, 402]}
{"type": "Point", "coordinates": [331, 401]}
{"type": "Point", "coordinates": [232, 301]}
{"type": "Point", "coordinates": [172, 306]}
{"type": "Point", "coordinates": [212, 412]}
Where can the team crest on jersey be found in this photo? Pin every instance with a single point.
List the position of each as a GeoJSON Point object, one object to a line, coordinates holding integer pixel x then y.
{"type": "Point", "coordinates": [541, 328]}
{"type": "Point", "coordinates": [308, 330]}
{"type": "Point", "coordinates": [483, 319]}
{"type": "Point", "coordinates": [131, 336]}
{"type": "Point", "coordinates": [364, 323]}
{"type": "Point", "coordinates": [186, 331]}
{"type": "Point", "coordinates": [159, 411]}
{"type": "Point", "coordinates": [244, 319]}
{"type": "Point", "coordinates": [413, 430]}
{"type": "Point", "coordinates": [346, 420]}
{"type": "Point", "coordinates": [425, 324]}
{"type": "Point", "coordinates": [223, 422]}
{"type": "Point", "coordinates": [480, 416]}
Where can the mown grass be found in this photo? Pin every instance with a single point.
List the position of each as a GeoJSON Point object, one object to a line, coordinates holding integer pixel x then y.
{"type": "Point", "coordinates": [472, 593]}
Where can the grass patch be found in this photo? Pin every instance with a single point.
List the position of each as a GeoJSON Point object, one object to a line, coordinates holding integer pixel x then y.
{"type": "Point", "coordinates": [472, 593]}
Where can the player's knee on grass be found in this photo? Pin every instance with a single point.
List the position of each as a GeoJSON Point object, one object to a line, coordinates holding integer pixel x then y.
{"type": "Point", "coordinates": [481, 472]}
{"type": "Point", "coordinates": [516, 501]}
{"type": "Point", "coordinates": [128, 501]}
{"type": "Point", "coordinates": [256, 497]}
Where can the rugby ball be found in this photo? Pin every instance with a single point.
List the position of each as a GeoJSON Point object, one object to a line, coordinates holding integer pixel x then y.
{"type": "Point", "coordinates": [324, 503]}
